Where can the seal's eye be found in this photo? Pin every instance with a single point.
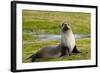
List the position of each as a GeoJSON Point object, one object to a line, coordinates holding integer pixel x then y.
{"type": "Point", "coordinates": [68, 24]}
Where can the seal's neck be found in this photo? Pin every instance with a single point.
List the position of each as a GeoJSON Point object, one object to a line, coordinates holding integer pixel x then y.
{"type": "Point", "coordinates": [67, 33]}
{"type": "Point", "coordinates": [67, 37]}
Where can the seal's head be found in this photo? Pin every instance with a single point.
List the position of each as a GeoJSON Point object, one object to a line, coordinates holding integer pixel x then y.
{"type": "Point", "coordinates": [65, 26]}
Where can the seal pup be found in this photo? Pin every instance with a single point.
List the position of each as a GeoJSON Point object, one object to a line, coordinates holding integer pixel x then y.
{"type": "Point", "coordinates": [68, 40]}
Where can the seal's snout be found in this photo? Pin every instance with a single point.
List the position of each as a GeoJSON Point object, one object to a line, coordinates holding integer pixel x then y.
{"type": "Point", "coordinates": [65, 27]}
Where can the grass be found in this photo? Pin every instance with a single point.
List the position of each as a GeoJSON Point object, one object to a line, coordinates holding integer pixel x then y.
{"type": "Point", "coordinates": [46, 22]}
{"type": "Point", "coordinates": [83, 45]}
{"type": "Point", "coordinates": [50, 22]}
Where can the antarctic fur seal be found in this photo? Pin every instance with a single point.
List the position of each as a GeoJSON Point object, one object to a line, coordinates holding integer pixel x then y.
{"type": "Point", "coordinates": [68, 39]}
{"type": "Point", "coordinates": [66, 47]}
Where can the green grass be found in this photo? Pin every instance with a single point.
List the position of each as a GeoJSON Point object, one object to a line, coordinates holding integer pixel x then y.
{"type": "Point", "coordinates": [50, 22]}
{"type": "Point", "coordinates": [83, 45]}
{"type": "Point", "coordinates": [46, 22]}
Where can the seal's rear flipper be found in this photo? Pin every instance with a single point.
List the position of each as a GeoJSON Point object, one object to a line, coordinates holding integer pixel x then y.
{"type": "Point", "coordinates": [75, 50]}
{"type": "Point", "coordinates": [33, 57]}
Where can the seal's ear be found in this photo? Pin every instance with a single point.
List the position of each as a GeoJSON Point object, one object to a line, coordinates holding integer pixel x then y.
{"type": "Point", "coordinates": [62, 24]}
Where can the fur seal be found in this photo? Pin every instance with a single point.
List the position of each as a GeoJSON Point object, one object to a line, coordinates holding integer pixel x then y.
{"type": "Point", "coordinates": [65, 48]}
{"type": "Point", "coordinates": [68, 39]}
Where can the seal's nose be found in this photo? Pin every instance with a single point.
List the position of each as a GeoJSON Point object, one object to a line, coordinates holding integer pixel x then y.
{"type": "Point", "coordinates": [65, 25]}
{"type": "Point", "coordinates": [65, 28]}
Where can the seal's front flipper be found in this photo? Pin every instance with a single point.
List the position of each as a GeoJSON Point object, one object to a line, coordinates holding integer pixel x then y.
{"type": "Point", "coordinates": [75, 50]}
{"type": "Point", "coordinates": [64, 51]}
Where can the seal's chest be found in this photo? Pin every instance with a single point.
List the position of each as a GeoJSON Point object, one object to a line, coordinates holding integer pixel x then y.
{"type": "Point", "coordinates": [69, 40]}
